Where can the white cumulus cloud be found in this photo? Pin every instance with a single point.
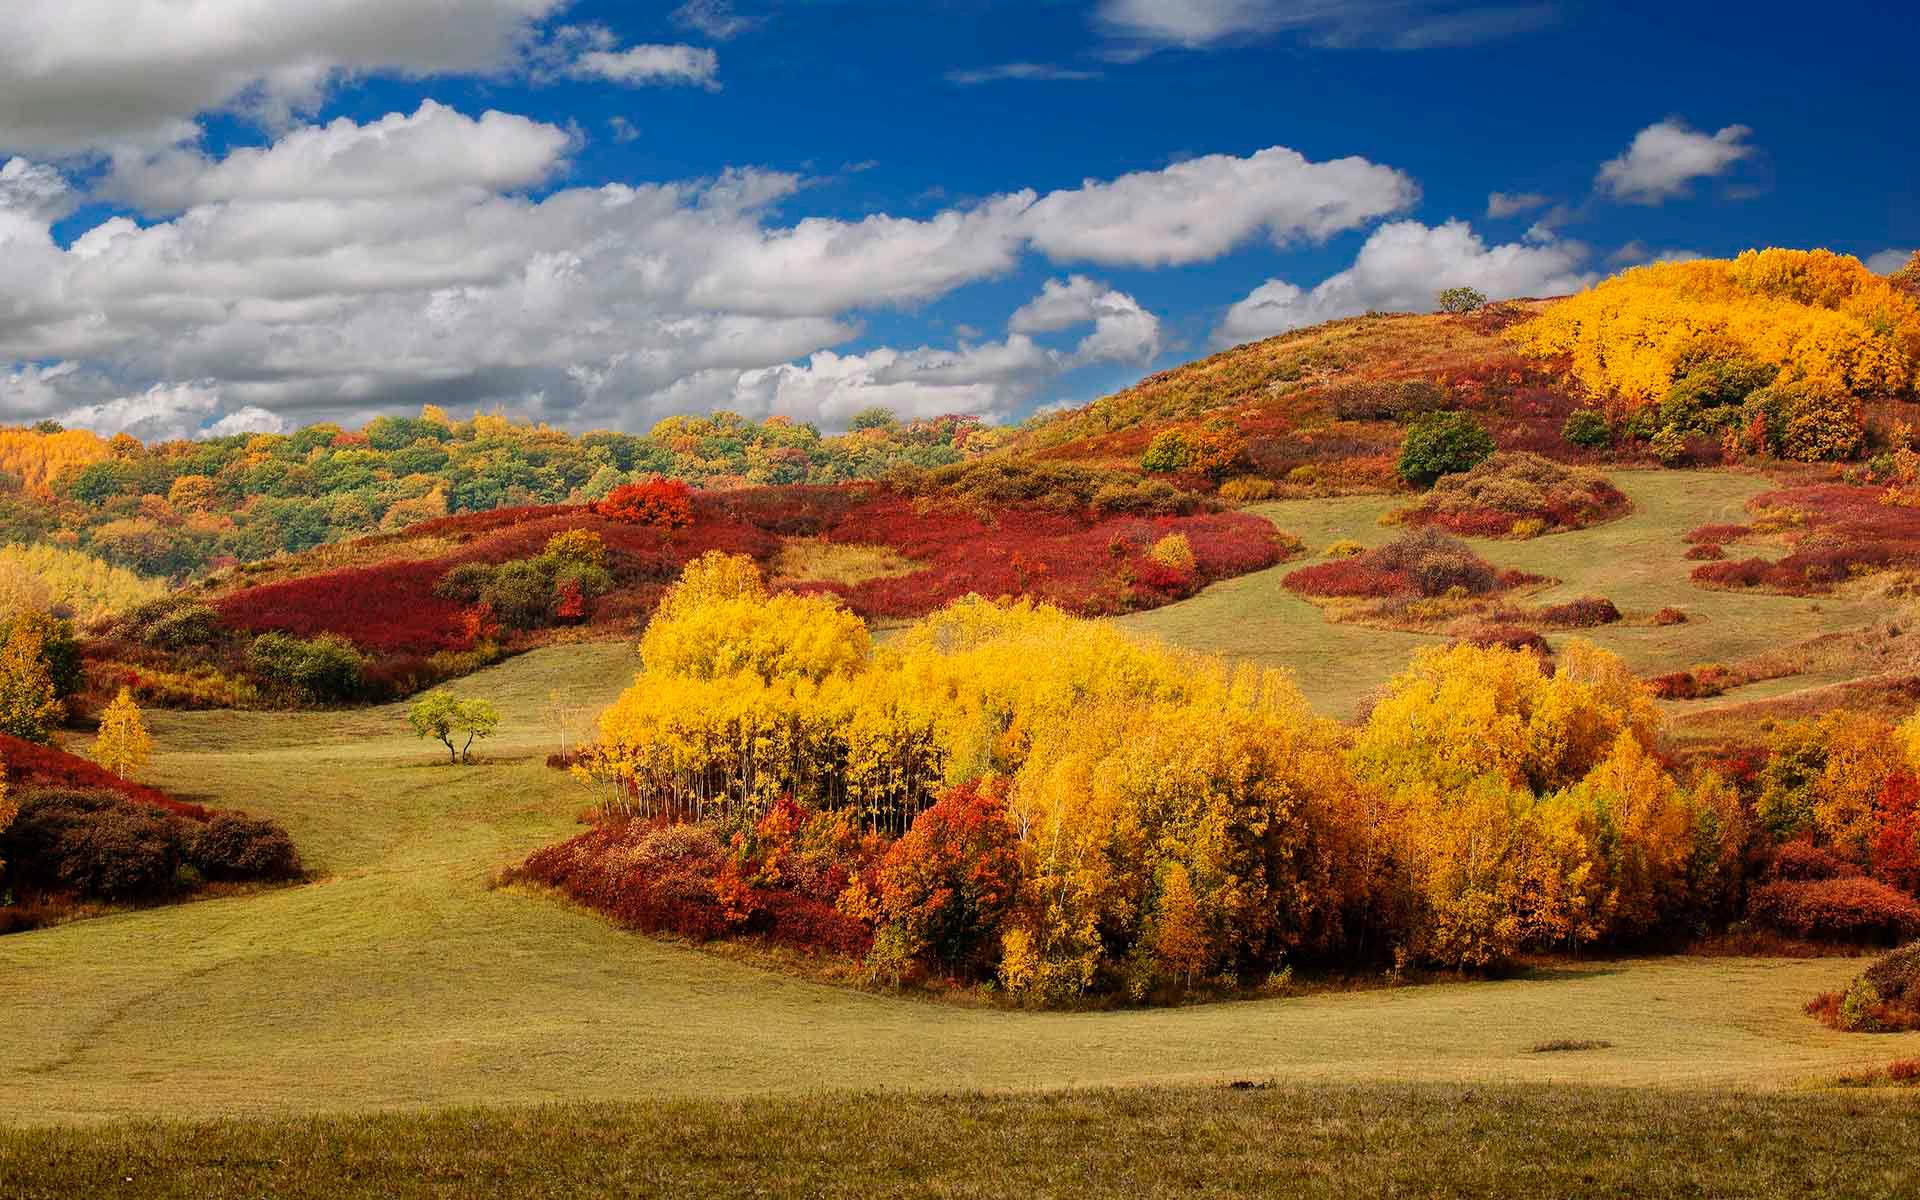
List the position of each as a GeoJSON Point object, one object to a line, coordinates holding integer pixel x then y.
{"type": "Point", "coordinates": [1404, 266]}
{"type": "Point", "coordinates": [1667, 156]}
{"type": "Point", "coordinates": [1197, 210]}
{"type": "Point", "coordinates": [83, 75]}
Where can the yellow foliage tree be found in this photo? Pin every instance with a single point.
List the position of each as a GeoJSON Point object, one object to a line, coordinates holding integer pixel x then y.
{"type": "Point", "coordinates": [1823, 318]}
{"type": "Point", "coordinates": [123, 746]}
{"type": "Point", "coordinates": [37, 459]}
{"type": "Point", "coordinates": [29, 704]}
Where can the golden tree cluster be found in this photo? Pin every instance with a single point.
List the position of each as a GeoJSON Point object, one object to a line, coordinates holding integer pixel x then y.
{"type": "Point", "coordinates": [1175, 817]}
{"type": "Point", "coordinates": [1824, 319]}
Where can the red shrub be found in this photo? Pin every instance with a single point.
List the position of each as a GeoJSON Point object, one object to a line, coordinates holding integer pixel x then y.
{"type": "Point", "coordinates": [661, 503]}
{"type": "Point", "coordinates": [29, 765]}
{"type": "Point", "coordinates": [1511, 637]}
{"type": "Point", "coordinates": [1847, 531]}
{"type": "Point", "coordinates": [1848, 909]}
{"type": "Point", "coordinates": [1706, 552]}
{"type": "Point", "coordinates": [1681, 685]}
{"type": "Point", "coordinates": [1670, 616]}
{"type": "Point", "coordinates": [1905, 1070]}
{"type": "Point", "coordinates": [1715, 534]}
{"type": "Point", "coordinates": [953, 878]}
{"type": "Point", "coordinates": [1584, 613]}
{"type": "Point", "coordinates": [1804, 862]}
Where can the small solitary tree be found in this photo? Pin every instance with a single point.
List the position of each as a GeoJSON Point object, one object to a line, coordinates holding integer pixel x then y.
{"type": "Point", "coordinates": [456, 723]}
{"type": "Point", "coordinates": [1462, 300]}
{"type": "Point", "coordinates": [124, 745]}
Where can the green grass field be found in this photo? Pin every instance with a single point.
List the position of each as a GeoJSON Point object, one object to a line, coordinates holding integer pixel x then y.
{"type": "Point", "coordinates": [1638, 562]}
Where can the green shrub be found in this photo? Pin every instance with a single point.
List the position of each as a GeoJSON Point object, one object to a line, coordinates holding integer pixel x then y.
{"type": "Point", "coordinates": [1461, 300]}
{"type": "Point", "coordinates": [1588, 427]}
{"type": "Point", "coordinates": [1167, 453]}
{"type": "Point", "coordinates": [172, 623]}
{"type": "Point", "coordinates": [327, 667]}
{"type": "Point", "coordinates": [1443, 444]}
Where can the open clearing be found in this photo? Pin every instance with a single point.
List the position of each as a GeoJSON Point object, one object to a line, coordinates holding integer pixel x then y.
{"type": "Point", "coordinates": [1639, 562]}
{"type": "Point", "coordinates": [398, 980]}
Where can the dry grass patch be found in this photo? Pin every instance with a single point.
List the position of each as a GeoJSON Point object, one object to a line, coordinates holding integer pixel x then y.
{"type": "Point", "coordinates": [816, 560]}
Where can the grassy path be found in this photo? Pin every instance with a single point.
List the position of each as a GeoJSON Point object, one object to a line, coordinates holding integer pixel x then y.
{"type": "Point", "coordinates": [1638, 562]}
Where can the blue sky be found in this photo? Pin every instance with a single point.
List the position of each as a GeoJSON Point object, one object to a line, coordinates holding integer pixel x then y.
{"type": "Point", "coordinates": [234, 218]}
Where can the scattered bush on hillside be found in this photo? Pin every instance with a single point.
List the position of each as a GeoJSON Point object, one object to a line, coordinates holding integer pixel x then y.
{"type": "Point", "coordinates": [235, 846]}
{"type": "Point", "coordinates": [1461, 300]}
{"type": "Point", "coordinates": [1385, 400]}
{"type": "Point", "coordinates": [1509, 637]}
{"type": "Point", "coordinates": [1854, 909]}
{"type": "Point", "coordinates": [1213, 449]}
{"type": "Point", "coordinates": [1440, 444]}
{"type": "Point", "coordinates": [1838, 532]}
{"type": "Point", "coordinates": [1422, 563]}
{"type": "Point", "coordinates": [1587, 612]}
{"type": "Point", "coordinates": [1513, 493]}
{"type": "Point", "coordinates": [1247, 489]}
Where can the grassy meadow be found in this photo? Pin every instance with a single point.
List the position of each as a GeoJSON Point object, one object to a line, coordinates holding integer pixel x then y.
{"type": "Point", "coordinates": [1639, 562]}
{"type": "Point", "coordinates": [399, 979]}
{"type": "Point", "coordinates": [1322, 1141]}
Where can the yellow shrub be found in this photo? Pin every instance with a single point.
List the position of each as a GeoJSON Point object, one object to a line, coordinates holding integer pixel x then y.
{"type": "Point", "coordinates": [1174, 551]}
{"type": "Point", "coordinates": [1248, 489]}
{"type": "Point", "coordinates": [1344, 548]}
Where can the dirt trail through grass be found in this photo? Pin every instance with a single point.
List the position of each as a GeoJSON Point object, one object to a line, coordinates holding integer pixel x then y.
{"type": "Point", "coordinates": [399, 980]}
{"type": "Point", "coordinates": [1639, 562]}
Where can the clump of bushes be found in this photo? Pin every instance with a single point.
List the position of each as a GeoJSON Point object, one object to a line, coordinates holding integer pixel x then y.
{"type": "Point", "coordinates": [558, 585]}
{"type": "Point", "coordinates": [991, 486]}
{"type": "Point", "coordinates": [1817, 896]}
{"type": "Point", "coordinates": [171, 623]}
{"type": "Point", "coordinates": [1385, 400]}
{"type": "Point", "coordinates": [1425, 563]}
{"type": "Point", "coordinates": [1588, 428]}
{"type": "Point", "coordinates": [661, 503]}
{"type": "Point", "coordinates": [1517, 494]}
{"type": "Point", "coordinates": [1214, 449]}
{"type": "Point", "coordinates": [101, 845]}
{"type": "Point", "coordinates": [1509, 637]}
{"type": "Point", "coordinates": [326, 668]}
{"type": "Point", "coordinates": [1443, 443]}
{"type": "Point", "coordinates": [1587, 612]}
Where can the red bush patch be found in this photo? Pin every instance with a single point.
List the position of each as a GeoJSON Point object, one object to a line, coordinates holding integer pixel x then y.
{"type": "Point", "coordinates": [1848, 531]}
{"type": "Point", "coordinates": [1587, 612]}
{"type": "Point", "coordinates": [1852, 909]}
{"type": "Point", "coordinates": [29, 765]}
